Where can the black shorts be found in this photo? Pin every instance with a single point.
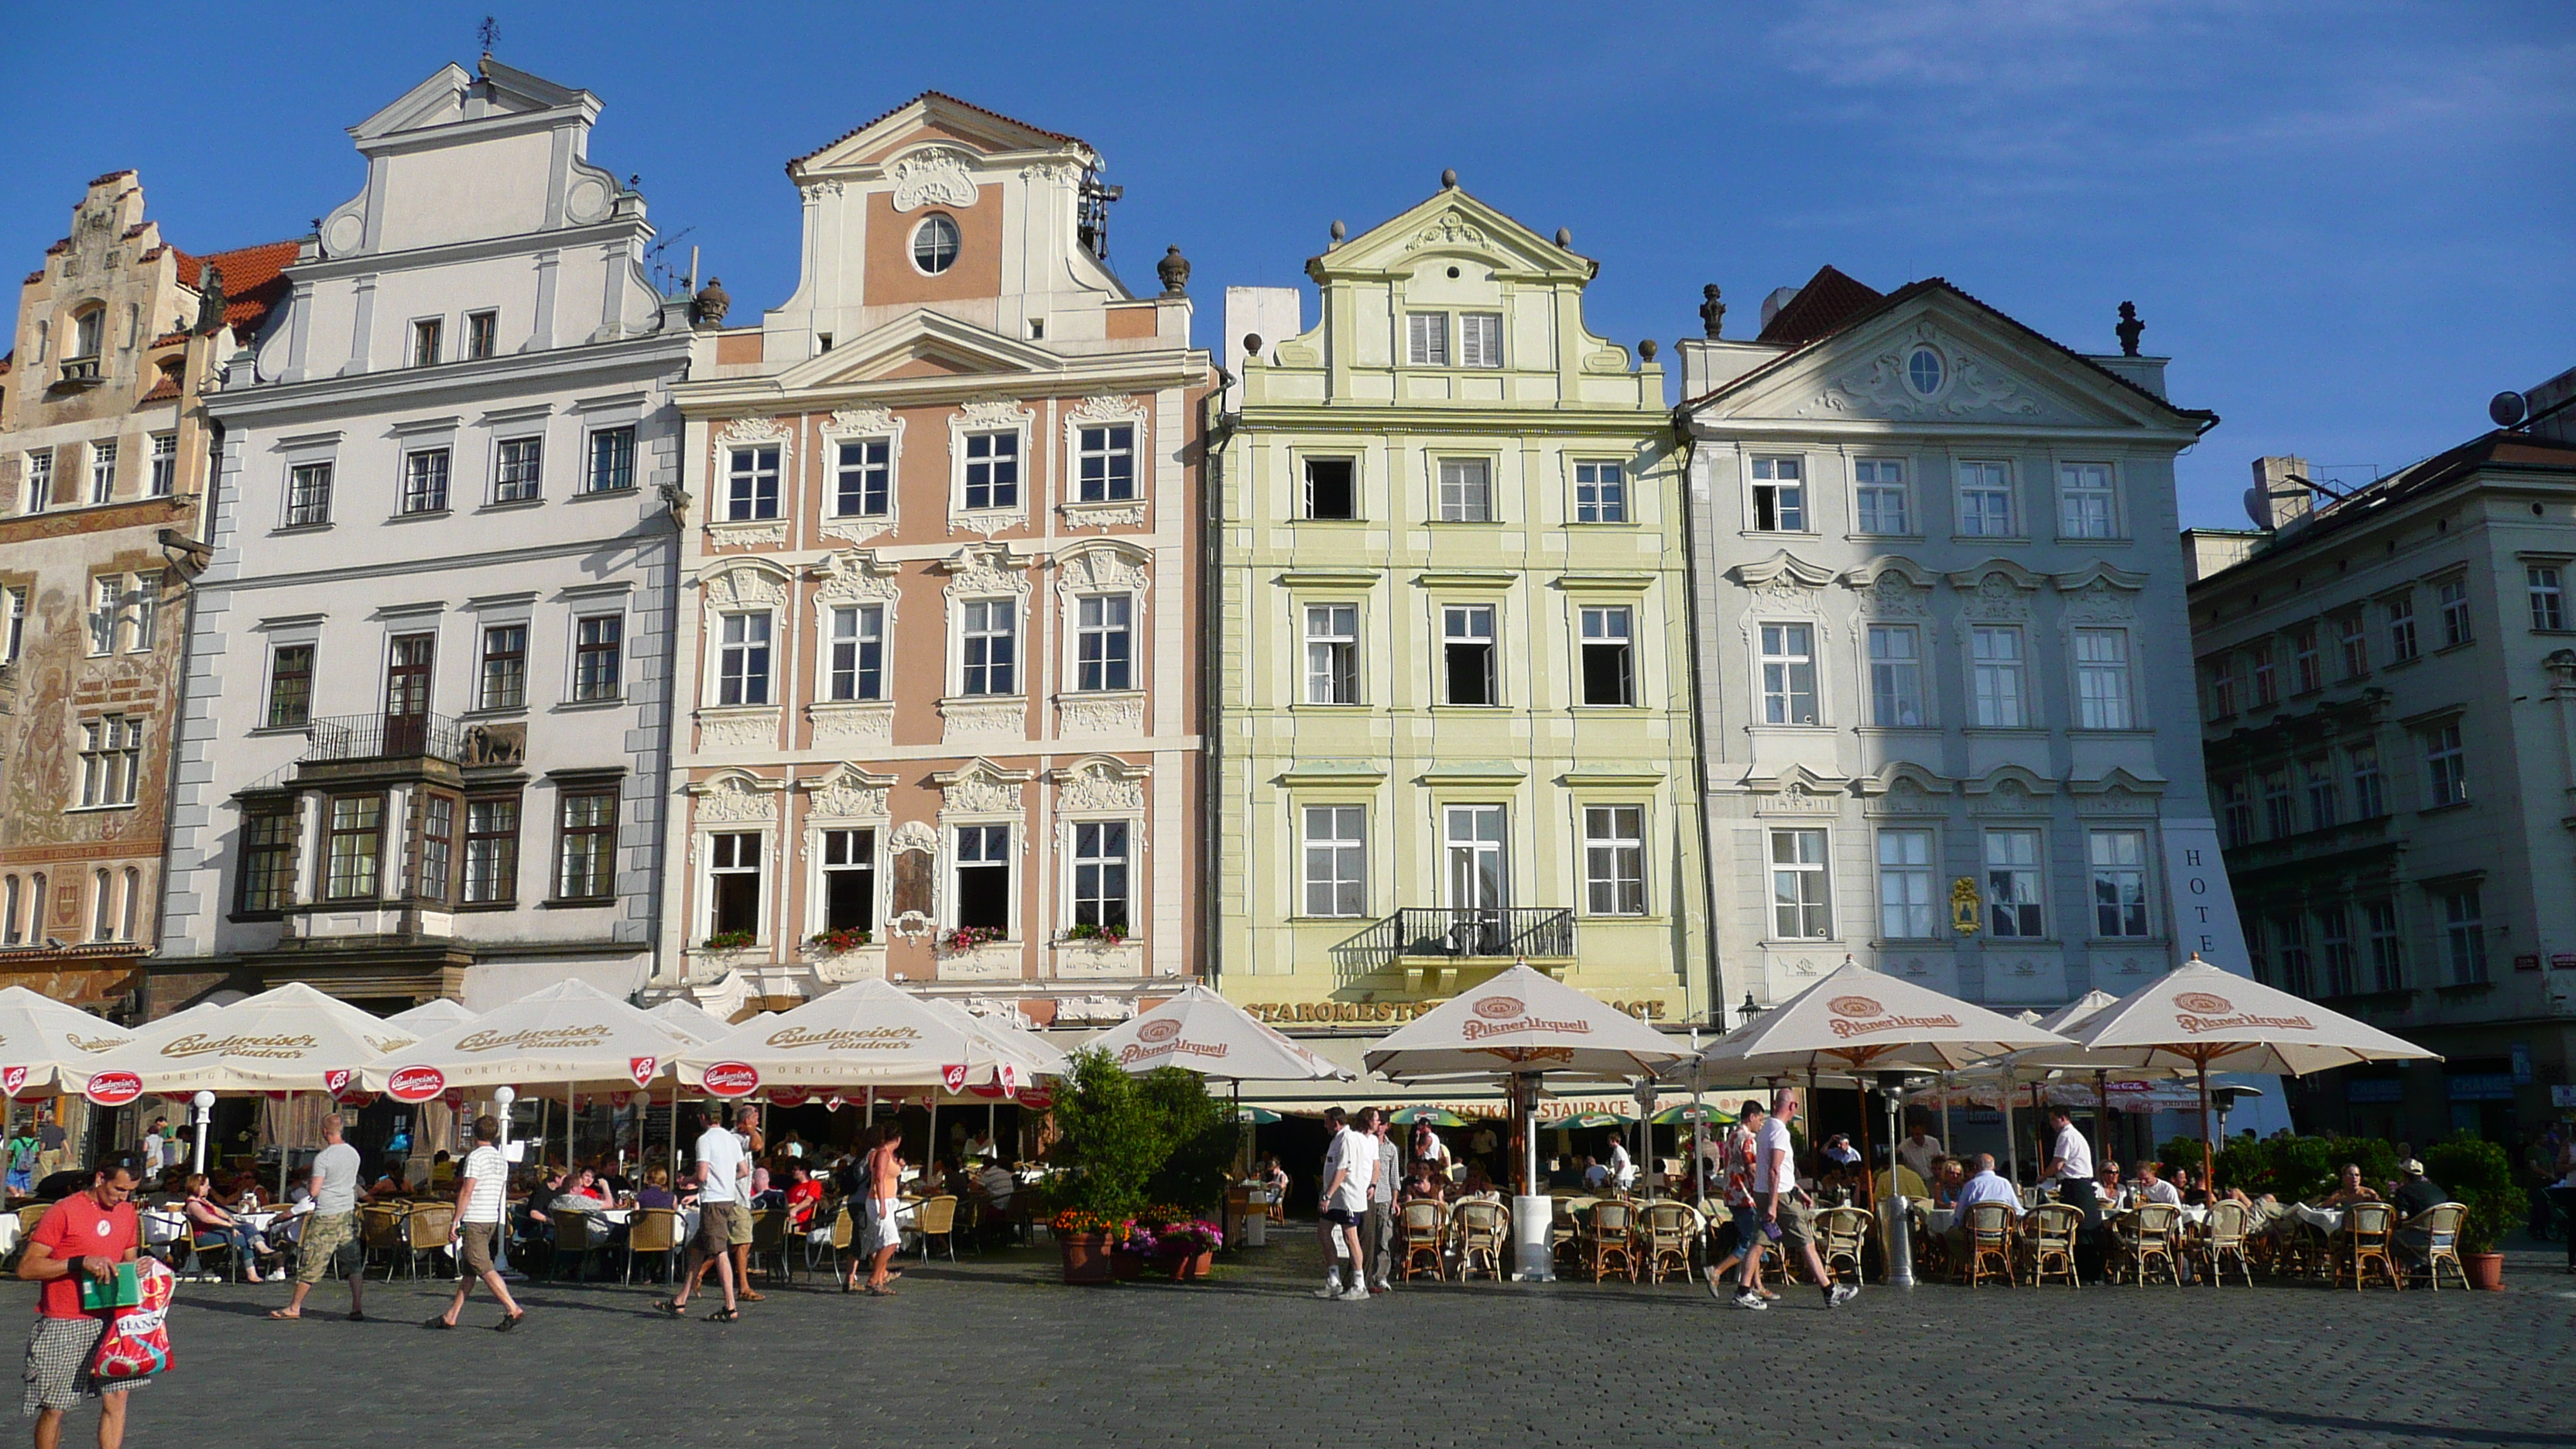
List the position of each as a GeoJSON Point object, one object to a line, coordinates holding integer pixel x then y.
{"type": "Point", "coordinates": [1341, 1217]}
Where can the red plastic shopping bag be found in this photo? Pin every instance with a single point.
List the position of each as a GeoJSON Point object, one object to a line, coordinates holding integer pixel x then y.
{"type": "Point", "coordinates": [136, 1344]}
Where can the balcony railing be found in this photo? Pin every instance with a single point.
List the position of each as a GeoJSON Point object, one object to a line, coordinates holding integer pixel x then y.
{"type": "Point", "coordinates": [1495, 931]}
{"type": "Point", "coordinates": [385, 737]}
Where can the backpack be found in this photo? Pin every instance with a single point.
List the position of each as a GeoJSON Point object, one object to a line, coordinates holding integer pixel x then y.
{"type": "Point", "coordinates": [136, 1344]}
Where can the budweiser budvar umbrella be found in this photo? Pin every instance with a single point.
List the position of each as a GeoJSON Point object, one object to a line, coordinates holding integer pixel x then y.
{"type": "Point", "coordinates": [1032, 1051]}
{"type": "Point", "coordinates": [289, 1039]}
{"type": "Point", "coordinates": [1200, 1031]}
{"type": "Point", "coordinates": [570, 1034]}
{"type": "Point", "coordinates": [45, 1044]}
{"type": "Point", "coordinates": [868, 1034]}
{"type": "Point", "coordinates": [696, 1021]}
{"type": "Point", "coordinates": [436, 1014]}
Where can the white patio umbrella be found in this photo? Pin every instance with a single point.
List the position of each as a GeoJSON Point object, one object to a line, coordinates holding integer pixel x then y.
{"type": "Point", "coordinates": [1200, 1031]}
{"type": "Point", "coordinates": [1524, 1025]}
{"type": "Point", "coordinates": [45, 1043]}
{"type": "Point", "coordinates": [436, 1014]}
{"type": "Point", "coordinates": [699, 1023]}
{"type": "Point", "coordinates": [2201, 1018]}
{"type": "Point", "coordinates": [870, 1033]}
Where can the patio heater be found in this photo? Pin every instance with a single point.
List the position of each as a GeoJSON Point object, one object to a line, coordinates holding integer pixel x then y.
{"type": "Point", "coordinates": [1895, 1241]}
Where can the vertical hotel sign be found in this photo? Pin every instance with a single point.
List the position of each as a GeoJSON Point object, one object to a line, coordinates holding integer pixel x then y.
{"type": "Point", "coordinates": [2204, 909]}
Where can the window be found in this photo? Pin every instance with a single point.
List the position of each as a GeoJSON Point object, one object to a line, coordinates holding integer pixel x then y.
{"type": "Point", "coordinates": [356, 837]}
{"type": "Point", "coordinates": [505, 668]}
{"type": "Point", "coordinates": [742, 659]}
{"type": "Point", "coordinates": [1923, 371]}
{"type": "Point", "coordinates": [751, 484]}
{"type": "Point", "coordinates": [2354, 635]}
{"type": "Point", "coordinates": [1480, 339]}
{"type": "Point", "coordinates": [1985, 500]}
{"type": "Point", "coordinates": [107, 599]}
{"type": "Point", "coordinates": [133, 904]}
{"type": "Point", "coordinates": [2464, 937]}
{"type": "Point", "coordinates": [437, 846]}
{"type": "Point", "coordinates": [425, 336]}
{"type": "Point", "coordinates": [102, 472]}
{"type": "Point", "coordinates": [2102, 679]}
{"type": "Point", "coordinates": [2012, 885]}
{"type": "Point", "coordinates": [586, 844]}
{"type": "Point", "coordinates": [88, 333]}
{"type": "Point", "coordinates": [165, 465]}
{"type": "Point", "coordinates": [2237, 810]}
{"type": "Point", "coordinates": [40, 480]}
{"type": "Point", "coordinates": [1996, 677]}
{"type": "Point", "coordinates": [849, 880]}
{"type": "Point", "coordinates": [1779, 495]}
{"type": "Point", "coordinates": [2084, 501]}
{"type": "Point", "coordinates": [598, 650]}
{"type": "Point", "coordinates": [482, 330]}
{"type": "Point", "coordinates": [2453, 595]}
{"type": "Point", "coordinates": [2446, 766]}
{"type": "Point", "coordinates": [146, 625]}
{"type": "Point", "coordinates": [1107, 459]}
{"type": "Point", "coordinates": [863, 484]}
{"type": "Point", "coordinates": [1102, 642]}
{"type": "Point", "coordinates": [2369, 795]}
{"type": "Point", "coordinates": [111, 761]}
{"type": "Point", "coordinates": [2267, 685]}
{"type": "Point", "coordinates": [2548, 597]}
{"type": "Point", "coordinates": [2401, 628]}
{"type": "Point", "coordinates": [1895, 676]}
{"type": "Point", "coordinates": [612, 461]}
{"type": "Point", "coordinates": [2290, 951]}
{"type": "Point", "coordinates": [308, 495]}
{"type": "Point", "coordinates": [1332, 654]}
{"type": "Point", "coordinates": [1800, 910]}
{"type": "Point", "coordinates": [1905, 885]}
{"type": "Point", "coordinates": [2387, 951]}
{"type": "Point", "coordinates": [1100, 874]}
{"type": "Point", "coordinates": [1788, 667]}
{"type": "Point", "coordinates": [102, 906]}
{"type": "Point", "coordinates": [2324, 800]}
{"type": "Point", "coordinates": [1614, 860]}
{"type": "Point", "coordinates": [2307, 670]}
{"type": "Point", "coordinates": [984, 877]}
{"type": "Point", "coordinates": [1426, 339]}
{"type": "Point", "coordinates": [733, 884]}
{"type": "Point", "coordinates": [934, 244]}
{"type": "Point", "coordinates": [1479, 872]}
{"type": "Point", "coordinates": [1466, 490]}
{"type": "Point", "coordinates": [290, 686]}
{"type": "Point", "coordinates": [2119, 883]}
{"type": "Point", "coordinates": [10, 932]}
{"type": "Point", "coordinates": [1609, 668]}
{"type": "Point", "coordinates": [857, 666]}
{"type": "Point", "coordinates": [991, 654]}
{"type": "Point", "coordinates": [17, 625]}
{"type": "Point", "coordinates": [2334, 934]}
{"type": "Point", "coordinates": [491, 850]}
{"type": "Point", "coordinates": [1881, 497]}
{"type": "Point", "coordinates": [1336, 860]}
{"type": "Point", "coordinates": [2279, 818]}
{"type": "Point", "coordinates": [1600, 493]}
{"type": "Point", "coordinates": [424, 487]}
{"type": "Point", "coordinates": [1331, 488]}
{"type": "Point", "coordinates": [516, 478]}
{"type": "Point", "coordinates": [993, 470]}
{"type": "Point", "coordinates": [1467, 648]}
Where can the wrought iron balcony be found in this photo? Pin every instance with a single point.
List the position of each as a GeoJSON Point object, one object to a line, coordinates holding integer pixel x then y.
{"type": "Point", "coordinates": [1503, 931]}
{"type": "Point", "coordinates": [385, 737]}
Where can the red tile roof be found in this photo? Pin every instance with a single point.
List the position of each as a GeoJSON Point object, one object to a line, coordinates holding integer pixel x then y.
{"type": "Point", "coordinates": [252, 280]}
{"type": "Point", "coordinates": [1827, 301]}
{"type": "Point", "coordinates": [110, 176]}
{"type": "Point", "coordinates": [797, 161]}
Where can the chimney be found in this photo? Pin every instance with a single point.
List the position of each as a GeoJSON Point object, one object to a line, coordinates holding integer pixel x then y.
{"type": "Point", "coordinates": [2279, 497]}
{"type": "Point", "coordinates": [1780, 297]}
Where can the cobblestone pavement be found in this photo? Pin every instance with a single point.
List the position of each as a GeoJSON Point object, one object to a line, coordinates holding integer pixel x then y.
{"type": "Point", "coordinates": [994, 1351]}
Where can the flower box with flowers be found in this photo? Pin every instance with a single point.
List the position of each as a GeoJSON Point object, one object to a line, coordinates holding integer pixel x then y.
{"type": "Point", "coordinates": [730, 941]}
{"type": "Point", "coordinates": [1084, 933]}
{"type": "Point", "coordinates": [833, 943]}
{"type": "Point", "coordinates": [959, 940]}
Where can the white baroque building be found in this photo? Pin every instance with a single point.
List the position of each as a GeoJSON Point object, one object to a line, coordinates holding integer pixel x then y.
{"type": "Point", "coordinates": [424, 729]}
{"type": "Point", "coordinates": [1945, 674]}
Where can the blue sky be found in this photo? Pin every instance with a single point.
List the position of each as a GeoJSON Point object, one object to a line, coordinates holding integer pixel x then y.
{"type": "Point", "coordinates": [2349, 223]}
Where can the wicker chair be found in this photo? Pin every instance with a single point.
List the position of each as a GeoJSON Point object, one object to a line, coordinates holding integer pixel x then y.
{"type": "Point", "coordinates": [1989, 1230]}
{"type": "Point", "coordinates": [2053, 1227]}
{"type": "Point", "coordinates": [1425, 1232]}
{"type": "Point", "coordinates": [936, 1218]}
{"type": "Point", "coordinates": [2150, 1240]}
{"type": "Point", "coordinates": [2440, 1224]}
{"type": "Point", "coordinates": [381, 1231]}
{"type": "Point", "coordinates": [1931, 1249]}
{"type": "Point", "coordinates": [1609, 1236]}
{"type": "Point", "coordinates": [1842, 1234]}
{"type": "Point", "coordinates": [1666, 1231]}
{"type": "Point", "coordinates": [770, 1231]}
{"type": "Point", "coordinates": [2222, 1235]}
{"type": "Point", "coordinates": [2369, 1230]}
{"type": "Point", "coordinates": [1484, 1231]}
{"type": "Point", "coordinates": [427, 1229]}
{"type": "Point", "coordinates": [1565, 1230]}
{"type": "Point", "coordinates": [654, 1231]}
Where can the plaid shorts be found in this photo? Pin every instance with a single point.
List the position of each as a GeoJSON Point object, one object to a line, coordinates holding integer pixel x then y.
{"type": "Point", "coordinates": [59, 1353]}
{"type": "Point", "coordinates": [323, 1237]}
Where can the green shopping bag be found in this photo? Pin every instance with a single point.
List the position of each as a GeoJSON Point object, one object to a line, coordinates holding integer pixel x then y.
{"type": "Point", "coordinates": [119, 1290]}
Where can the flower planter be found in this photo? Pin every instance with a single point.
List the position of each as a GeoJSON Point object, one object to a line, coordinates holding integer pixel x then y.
{"type": "Point", "coordinates": [2485, 1270]}
{"type": "Point", "coordinates": [1126, 1267]}
{"type": "Point", "coordinates": [1086, 1257]}
{"type": "Point", "coordinates": [1185, 1267]}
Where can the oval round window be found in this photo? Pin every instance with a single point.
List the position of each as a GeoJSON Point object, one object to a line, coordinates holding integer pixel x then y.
{"type": "Point", "coordinates": [934, 244]}
{"type": "Point", "coordinates": [1923, 370]}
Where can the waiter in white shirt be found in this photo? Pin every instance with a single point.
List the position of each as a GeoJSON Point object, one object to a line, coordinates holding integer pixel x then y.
{"type": "Point", "coordinates": [2070, 1171]}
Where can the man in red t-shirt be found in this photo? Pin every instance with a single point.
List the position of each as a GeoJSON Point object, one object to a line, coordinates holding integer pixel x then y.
{"type": "Point", "coordinates": [86, 1234]}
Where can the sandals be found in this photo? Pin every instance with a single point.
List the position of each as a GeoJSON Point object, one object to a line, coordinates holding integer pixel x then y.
{"type": "Point", "coordinates": [510, 1322]}
{"type": "Point", "coordinates": [438, 1322]}
{"type": "Point", "coordinates": [724, 1315]}
{"type": "Point", "coordinates": [669, 1308]}
{"type": "Point", "coordinates": [357, 1317]}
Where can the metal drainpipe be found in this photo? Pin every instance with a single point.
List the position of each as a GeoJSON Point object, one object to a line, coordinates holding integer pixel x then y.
{"type": "Point", "coordinates": [1698, 744]}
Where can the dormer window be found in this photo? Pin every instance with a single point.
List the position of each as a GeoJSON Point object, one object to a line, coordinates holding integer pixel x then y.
{"type": "Point", "coordinates": [86, 331]}
{"type": "Point", "coordinates": [934, 244]}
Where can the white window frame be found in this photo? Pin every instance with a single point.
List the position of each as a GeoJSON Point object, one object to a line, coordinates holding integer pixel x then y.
{"type": "Point", "coordinates": [2129, 879]}
{"type": "Point", "coordinates": [1785, 672]}
{"type": "Point", "coordinates": [1010, 862]}
{"type": "Point", "coordinates": [1458, 626]}
{"type": "Point", "coordinates": [2451, 601]}
{"type": "Point", "coordinates": [2004, 894]}
{"type": "Point", "coordinates": [1805, 910]}
{"type": "Point", "coordinates": [1480, 339]}
{"type": "Point", "coordinates": [1130, 853]}
{"type": "Point", "coordinates": [1088, 633]}
{"type": "Point", "coordinates": [1874, 482]}
{"type": "Point", "coordinates": [1426, 339]}
{"type": "Point", "coordinates": [992, 462]}
{"type": "Point", "coordinates": [713, 842]}
{"type": "Point", "coordinates": [2088, 501]}
{"type": "Point", "coordinates": [1908, 905]}
{"type": "Point", "coordinates": [866, 625]}
{"type": "Point", "coordinates": [1999, 684]}
{"type": "Point", "coordinates": [1986, 483]}
{"type": "Point", "coordinates": [102, 471]}
{"type": "Point", "coordinates": [1601, 493]}
{"type": "Point", "coordinates": [744, 464]}
{"type": "Point", "coordinates": [2464, 935]}
{"type": "Point", "coordinates": [1782, 476]}
{"type": "Point", "coordinates": [1007, 609]}
{"type": "Point", "coordinates": [2546, 587]}
{"type": "Point", "coordinates": [873, 869]}
{"type": "Point", "coordinates": [732, 659]}
{"type": "Point", "coordinates": [40, 480]}
{"type": "Point", "coordinates": [1606, 627]}
{"type": "Point", "coordinates": [1339, 647]}
{"type": "Point", "coordinates": [1614, 859]}
{"type": "Point", "coordinates": [111, 761]}
{"type": "Point", "coordinates": [1466, 490]}
{"type": "Point", "coordinates": [1895, 678]}
{"type": "Point", "coordinates": [1344, 858]}
{"type": "Point", "coordinates": [1107, 453]}
{"type": "Point", "coordinates": [2105, 696]}
{"type": "Point", "coordinates": [2446, 766]}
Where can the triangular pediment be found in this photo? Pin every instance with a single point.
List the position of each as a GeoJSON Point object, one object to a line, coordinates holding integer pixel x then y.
{"type": "Point", "coordinates": [934, 120]}
{"type": "Point", "coordinates": [1452, 223]}
{"type": "Point", "coordinates": [1934, 356]}
{"type": "Point", "coordinates": [919, 344]}
{"type": "Point", "coordinates": [453, 95]}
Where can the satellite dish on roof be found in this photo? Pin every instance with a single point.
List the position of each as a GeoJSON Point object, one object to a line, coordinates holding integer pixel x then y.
{"type": "Point", "coordinates": [2258, 507]}
{"type": "Point", "coordinates": [2508, 408]}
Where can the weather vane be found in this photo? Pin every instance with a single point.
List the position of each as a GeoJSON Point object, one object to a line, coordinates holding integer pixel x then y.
{"type": "Point", "coordinates": [489, 33]}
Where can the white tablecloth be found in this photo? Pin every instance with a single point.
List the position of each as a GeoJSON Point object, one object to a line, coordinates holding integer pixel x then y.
{"type": "Point", "coordinates": [2326, 1220]}
{"type": "Point", "coordinates": [8, 1232]}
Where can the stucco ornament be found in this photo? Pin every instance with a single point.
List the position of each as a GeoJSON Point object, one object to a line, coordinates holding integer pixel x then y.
{"type": "Point", "coordinates": [755, 430]}
{"type": "Point", "coordinates": [733, 800]}
{"type": "Point", "coordinates": [978, 790]}
{"type": "Point", "coordinates": [1970, 385]}
{"type": "Point", "coordinates": [742, 587]}
{"type": "Point", "coordinates": [1099, 785]}
{"type": "Point", "coordinates": [936, 177]}
{"type": "Point", "coordinates": [851, 794]}
{"type": "Point", "coordinates": [1450, 229]}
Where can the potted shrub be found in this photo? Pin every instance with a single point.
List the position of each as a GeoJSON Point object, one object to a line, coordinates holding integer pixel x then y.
{"type": "Point", "coordinates": [1135, 1245]}
{"type": "Point", "coordinates": [1082, 1238]}
{"type": "Point", "coordinates": [1189, 1247]}
{"type": "Point", "coordinates": [2477, 1175]}
{"type": "Point", "coordinates": [1123, 1144]}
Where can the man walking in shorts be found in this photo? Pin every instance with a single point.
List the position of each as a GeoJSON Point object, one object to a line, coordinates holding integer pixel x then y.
{"type": "Point", "coordinates": [481, 1198]}
{"type": "Point", "coordinates": [1735, 1175]}
{"type": "Point", "coordinates": [1350, 1164]}
{"type": "Point", "coordinates": [1785, 1206]}
{"type": "Point", "coordinates": [724, 1215]}
{"type": "Point", "coordinates": [331, 1226]}
{"type": "Point", "coordinates": [882, 1175]}
{"type": "Point", "coordinates": [86, 1235]}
